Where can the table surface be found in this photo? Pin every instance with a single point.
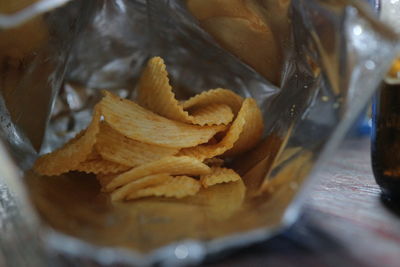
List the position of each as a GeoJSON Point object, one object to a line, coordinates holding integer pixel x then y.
{"type": "Point", "coordinates": [344, 222]}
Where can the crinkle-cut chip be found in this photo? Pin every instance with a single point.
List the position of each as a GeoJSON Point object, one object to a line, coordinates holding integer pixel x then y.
{"type": "Point", "coordinates": [214, 162]}
{"type": "Point", "coordinates": [214, 114]}
{"type": "Point", "coordinates": [175, 187]}
{"type": "Point", "coordinates": [203, 152]}
{"type": "Point", "coordinates": [252, 131]}
{"type": "Point", "coordinates": [123, 192]}
{"type": "Point", "coordinates": [155, 93]}
{"type": "Point", "coordinates": [94, 154]}
{"type": "Point", "coordinates": [100, 166]}
{"type": "Point", "coordinates": [215, 96]}
{"type": "Point", "coordinates": [115, 147]}
{"type": "Point", "coordinates": [219, 175]}
{"type": "Point", "coordinates": [71, 154]}
{"type": "Point", "coordinates": [171, 165]}
{"type": "Point", "coordinates": [142, 125]}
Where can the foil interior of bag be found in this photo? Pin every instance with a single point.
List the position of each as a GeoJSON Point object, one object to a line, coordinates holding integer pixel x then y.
{"type": "Point", "coordinates": [330, 57]}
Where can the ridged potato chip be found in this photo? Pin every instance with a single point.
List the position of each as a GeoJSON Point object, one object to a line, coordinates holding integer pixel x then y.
{"type": "Point", "coordinates": [214, 114]}
{"type": "Point", "coordinates": [215, 96]}
{"type": "Point", "coordinates": [115, 147]}
{"type": "Point", "coordinates": [170, 165]}
{"type": "Point", "coordinates": [251, 133]}
{"type": "Point", "coordinates": [102, 166]}
{"type": "Point", "coordinates": [219, 175]}
{"type": "Point", "coordinates": [123, 192]}
{"type": "Point", "coordinates": [140, 124]}
{"type": "Point", "coordinates": [176, 187]}
{"type": "Point", "coordinates": [69, 156]}
{"type": "Point", "coordinates": [203, 152]}
{"type": "Point", "coordinates": [155, 93]}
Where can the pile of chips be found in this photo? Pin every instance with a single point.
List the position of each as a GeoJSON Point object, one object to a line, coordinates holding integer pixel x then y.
{"type": "Point", "coordinates": [159, 146]}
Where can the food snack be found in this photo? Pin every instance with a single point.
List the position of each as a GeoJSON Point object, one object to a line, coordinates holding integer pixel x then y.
{"type": "Point", "coordinates": [160, 147]}
{"type": "Point", "coordinates": [219, 175]}
{"type": "Point", "coordinates": [238, 138]}
{"type": "Point", "coordinates": [155, 93]}
{"type": "Point", "coordinates": [73, 153]}
{"type": "Point", "coordinates": [178, 187]}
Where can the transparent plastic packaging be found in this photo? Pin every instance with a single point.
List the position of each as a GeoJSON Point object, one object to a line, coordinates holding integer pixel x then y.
{"type": "Point", "coordinates": [332, 55]}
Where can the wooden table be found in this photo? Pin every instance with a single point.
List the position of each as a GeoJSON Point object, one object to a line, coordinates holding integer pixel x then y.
{"type": "Point", "coordinates": [344, 223]}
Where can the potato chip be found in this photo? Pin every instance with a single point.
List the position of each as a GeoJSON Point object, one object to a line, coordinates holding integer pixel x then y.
{"type": "Point", "coordinates": [155, 93]}
{"type": "Point", "coordinates": [251, 133]}
{"type": "Point", "coordinates": [215, 96]}
{"type": "Point", "coordinates": [100, 166]}
{"type": "Point", "coordinates": [170, 165]}
{"type": "Point", "coordinates": [176, 187]}
{"type": "Point", "coordinates": [115, 147]}
{"type": "Point", "coordinates": [123, 192]}
{"type": "Point", "coordinates": [203, 152]}
{"type": "Point", "coordinates": [219, 175]}
{"type": "Point", "coordinates": [214, 114]}
{"type": "Point", "coordinates": [137, 123]}
{"type": "Point", "coordinates": [71, 154]}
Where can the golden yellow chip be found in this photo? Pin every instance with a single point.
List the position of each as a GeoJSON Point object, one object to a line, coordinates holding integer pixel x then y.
{"type": "Point", "coordinates": [170, 165]}
{"type": "Point", "coordinates": [71, 154]}
{"type": "Point", "coordinates": [115, 147]}
{"type": "Point", "coordinates": [203, 152]}
{"type": "Point", "coordinates": [176, 187]}
{"type": "Point", "coordinates": [142, 125]}
{"type": "Point", "coordinates": [215, 96]}
{"type": "Point", "coordinates": [252, 130]}
{"type": "Point", "coordinates": [155, 93]}
{"type": "Point", "coordinates": [219, 175]}
{"type": "Point", "coordinates": [214, 114]}
{"type": "Point", "coordinates": [100, 166]}
{"type": "Point", "coordinates": [123, 192]}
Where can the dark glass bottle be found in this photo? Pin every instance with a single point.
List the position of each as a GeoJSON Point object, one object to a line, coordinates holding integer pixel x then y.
{"type": "Point", "coordinates": [385, 149]}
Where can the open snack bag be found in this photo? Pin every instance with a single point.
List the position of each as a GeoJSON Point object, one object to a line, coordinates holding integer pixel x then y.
{"type": "Point", "coordinates": [140, 132]}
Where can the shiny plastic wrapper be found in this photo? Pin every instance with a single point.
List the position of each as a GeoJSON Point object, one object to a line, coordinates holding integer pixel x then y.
{"type": "Point", "coordinates": [324, 61]}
